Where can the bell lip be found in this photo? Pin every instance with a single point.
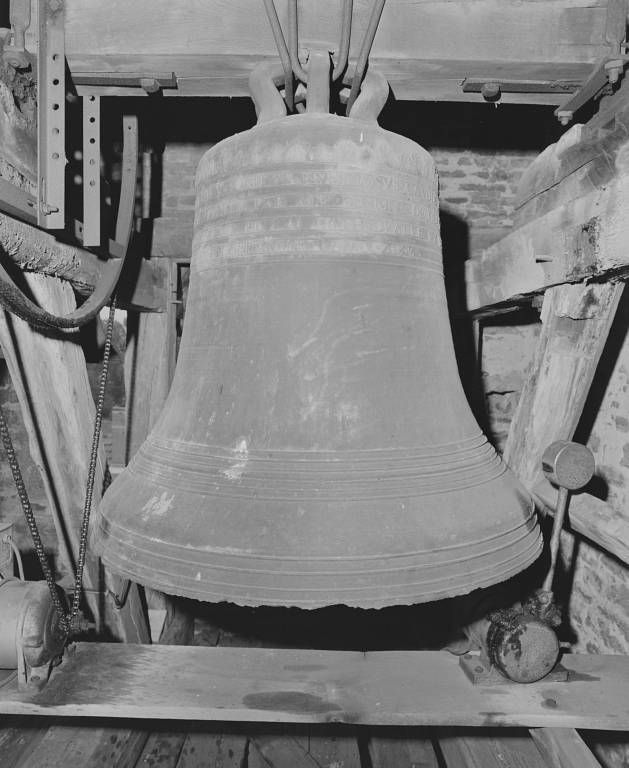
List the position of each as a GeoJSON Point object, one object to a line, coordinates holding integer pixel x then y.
{"type": "Point", "coordinates": [365, 602]}
{"type": "Point", "coordinates": [139, 566]}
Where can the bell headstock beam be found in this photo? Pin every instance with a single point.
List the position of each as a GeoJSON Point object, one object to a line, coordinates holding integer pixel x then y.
{"type": "Point", "coordinates": [426, 49]}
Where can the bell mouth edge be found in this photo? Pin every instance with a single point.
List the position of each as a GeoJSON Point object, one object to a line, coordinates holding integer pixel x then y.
{"type": "Point", "coordinates": [248, 595]}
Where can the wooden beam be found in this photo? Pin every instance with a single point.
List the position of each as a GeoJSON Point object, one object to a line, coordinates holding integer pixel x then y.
{"type": "Point", "coordinates": [581, 239]}
{"type": "Point", "coordinates": [221, 75]}
{"type": "Point", "coordinates": [310, 686]}
{"type": "Point", "coordinates": [34, 250]}
{"type": "Point", "coordinates": [575, 323]}
{"type": "Point", "coordinates": [570, 215]}
{"type": "Point", "coordinates": [556, 30]}
{"type": "Point", "coordinates": [50, 378]}
{"type": "Point", "coordinates": [563, 748]}
{"type": "Point", "coordinates": [150, 363]}
{"type": "Point", "coordinates": [591, 517]}
{"type": "Point", "coordinates": [426, 49]}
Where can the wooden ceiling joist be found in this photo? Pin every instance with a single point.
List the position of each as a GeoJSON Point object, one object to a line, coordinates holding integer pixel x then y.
{"type": "Point", "coordinates": [426, 48]}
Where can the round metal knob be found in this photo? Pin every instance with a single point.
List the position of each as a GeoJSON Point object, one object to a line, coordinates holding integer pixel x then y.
{"type": "Point", "coordinates": [568, 465]}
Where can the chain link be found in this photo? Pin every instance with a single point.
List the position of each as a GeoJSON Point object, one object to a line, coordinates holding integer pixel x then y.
{"type": "Point", "coordinates": [29, 515]}
{"type": "Point", "coordinates": [91, 474]}
{"type": "Point", "coordinates": [67, 621]}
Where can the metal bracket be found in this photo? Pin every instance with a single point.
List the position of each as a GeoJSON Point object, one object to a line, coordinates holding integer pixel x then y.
{"type": "Point", "coordinates": [491, 89]}
{"type": "Point", "coordinates": [609, 70]}
{"type": "Point", "coordinates": [51, 160]}
{"type": "Point", "coordinates": [150, 81]}
{"type": "Point", "coordinates": [91, 171]}
{"type": "Point", "coordinates": [480, 672]}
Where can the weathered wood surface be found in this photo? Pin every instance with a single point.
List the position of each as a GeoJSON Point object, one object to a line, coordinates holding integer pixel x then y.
{"type": "Point", "coordinates": [162, 749]}
{"type": "Point", "coordinates": [303, 686]}
{"type": "Point", "coordinates": [488, 750]}
{"type": "Point", "coordinates": [580, 239]}
{"type": "Point", "coordinates": [70, 745]}
{"type": "Point", "coordinates": [149, 363]}
{"type": "Point", "coordinates": [206, 74]}
{"type": "Point", "coordinates": [563, 748]}
{"type": "Point", "coordinates": [50, 378]}
{"type": "Point", "coordinates": [399, 751]}
{"type": "Point", "coordinates": [201, 750]}
{"type": "Point", "coordinates": [586, 158]}
{"type": "Point", "coordinates": [491, 38]}
{"type": "Point", "coordinates": [591, 517]}
{"type": "Point", "coordinates": [575, 324]}
{"type": "Point", "coordinates": [570, 219]}
{"type": "Point", "coordinates": [18, 739]}
{"type": "Point", "coordinates": [34, 250]}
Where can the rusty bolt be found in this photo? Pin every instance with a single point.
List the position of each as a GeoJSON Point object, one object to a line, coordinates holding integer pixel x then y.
{"type": "Point", "coordinates": [490, 91]}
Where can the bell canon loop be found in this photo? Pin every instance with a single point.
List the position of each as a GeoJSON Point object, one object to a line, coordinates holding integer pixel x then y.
{"type": "Point", "coordinates": [316, 446]}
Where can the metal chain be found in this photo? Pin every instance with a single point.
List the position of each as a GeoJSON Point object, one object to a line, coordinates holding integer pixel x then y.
{"type": "Point", "coordinates": [28, 514]}
{"type": "Point", "coordinates": [66, 620]}
{"type": "Point", "coordinates": [91, 474]}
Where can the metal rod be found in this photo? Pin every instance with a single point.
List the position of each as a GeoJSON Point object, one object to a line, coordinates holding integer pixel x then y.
{"type": "Point", "coordinates": [560, 513]}
{"type": "Point", "coordinates": [346, 30]}
{"type": "Point", "coordinates": [293, 35]}
{"type": "Point", "coordinates": [282, 50]}
{"type": "Point", "coordinates": [365, 50]}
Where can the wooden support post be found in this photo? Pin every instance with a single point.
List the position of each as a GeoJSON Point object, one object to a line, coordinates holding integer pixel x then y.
{"type": "Point", "coordinates": [149, 368]}
{"type": "Point", "coordinates": [50, 377]}
{"type": "Point", "coordinates": [575, 323]}
{"type": "Point", "coordinates": [150, 362]}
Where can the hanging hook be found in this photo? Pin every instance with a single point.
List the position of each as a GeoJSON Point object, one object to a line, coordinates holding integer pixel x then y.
{"type": "Point", "coordinates": [343, 46]}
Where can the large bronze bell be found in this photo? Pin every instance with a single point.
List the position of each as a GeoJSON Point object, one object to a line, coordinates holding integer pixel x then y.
{"type": "Point", "coordinates": [316, 446]}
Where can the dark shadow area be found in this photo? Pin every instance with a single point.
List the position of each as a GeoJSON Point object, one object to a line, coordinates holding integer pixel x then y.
{"type": "Point", "coordinates": [607, 362]}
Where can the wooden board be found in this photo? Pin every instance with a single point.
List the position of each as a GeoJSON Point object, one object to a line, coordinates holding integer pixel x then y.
{"type": "Point", "coordinates": [575, 324]}
{"type": "Point", "coordinates": [583, 238]}
{"type": "Point", "coordinates": [591, 517]}
{"type": "Point", "coordinates": [69, 745]}
{"type": "Point", "coordinates": [397, 750]}
{"type": "Point", "coordinates": [201, 750]}
{"type": "Point", "coordinates": [489, 750]}
{"type": "Point", "coordinates": [563, 748]}
{"type": "Point", "coordinates": [268, 685]}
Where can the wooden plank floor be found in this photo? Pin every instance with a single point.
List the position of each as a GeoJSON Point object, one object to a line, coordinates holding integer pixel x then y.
{"type": "Point", "coordinates": [216, 746]}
